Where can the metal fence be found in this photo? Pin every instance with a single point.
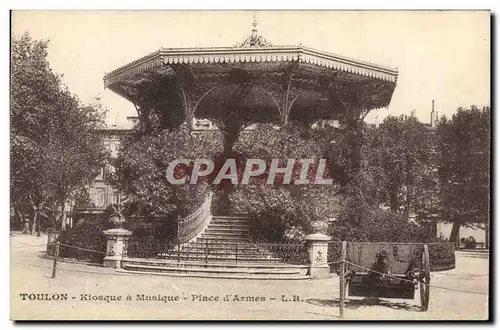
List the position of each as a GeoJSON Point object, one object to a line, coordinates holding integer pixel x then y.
{"type": "Point", "coordinates": [334, 255]}
{"type": "Point", "coordinates": [287, 252]}
{"type": "Point", "coordinates": [145, 247]}
{"type": "Point", "coordinates": [73, 247]}
{"type": "Point", "coordinates": [218, 251]}
{"type": "Point", "coordinates": [190, 226]}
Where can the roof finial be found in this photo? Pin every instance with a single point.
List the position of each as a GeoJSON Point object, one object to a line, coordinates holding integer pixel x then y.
{"type": "Point", "coordinates": [254, 23]}
{"type": "Point", "coordinates": [254, 40]}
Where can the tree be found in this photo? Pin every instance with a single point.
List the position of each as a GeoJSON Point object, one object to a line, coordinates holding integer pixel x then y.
{"type": "Point", "coordinates": [55, 143]}
{"type": "Point", "coordinates": [142, 163]}
{"type": "Point", "coordinates": [398, 160]}
{"type": "Point", "coordinates": [388, 165]}
{"type": "Point", "coordinates": [463, 146]}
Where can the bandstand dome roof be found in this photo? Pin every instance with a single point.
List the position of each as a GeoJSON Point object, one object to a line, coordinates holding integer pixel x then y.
{"type": "Point", "coordinates": [270, 56]}
{"type": "Point", "coordinates": [259, 59]}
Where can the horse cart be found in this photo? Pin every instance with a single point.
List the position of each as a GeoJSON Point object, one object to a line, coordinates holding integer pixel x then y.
{"type": "Point", "coordinates": [385, 270]}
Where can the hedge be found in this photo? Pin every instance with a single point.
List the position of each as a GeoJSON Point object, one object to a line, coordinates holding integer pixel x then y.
{"type": "Point", "coordinates": [84, 247]}
{"type": "Point", "coordinates": [86, 241]}
{"type": "Point", "coordinates": [442, 256]}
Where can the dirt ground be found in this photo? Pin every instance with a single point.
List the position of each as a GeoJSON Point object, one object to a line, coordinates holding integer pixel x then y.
{"type": "Point", "coordinates": [88, 292]}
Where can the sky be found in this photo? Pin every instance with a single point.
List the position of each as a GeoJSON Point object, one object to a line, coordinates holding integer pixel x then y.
{"type": "Point", "coordinates": [440, 55]}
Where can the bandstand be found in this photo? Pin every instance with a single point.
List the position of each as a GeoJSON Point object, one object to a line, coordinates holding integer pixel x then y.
{"type": "Point", "coordinates": [234, 87]}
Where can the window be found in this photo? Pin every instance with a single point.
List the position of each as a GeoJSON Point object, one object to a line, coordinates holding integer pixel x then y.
{"type": "Point", "coordinates": [100, 176]}
{"type": "Point", "coordinates": [99, 198]}
{"type": "Point", "coordinates": [113, 147]}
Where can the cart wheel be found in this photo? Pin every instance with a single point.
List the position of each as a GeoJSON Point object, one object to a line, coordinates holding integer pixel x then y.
{"type": "Point", "coordinates": [425, 281]}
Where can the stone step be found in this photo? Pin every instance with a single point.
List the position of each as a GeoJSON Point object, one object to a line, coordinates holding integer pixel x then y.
{"type": "Point", "coordinates": [231, 255]}
{"type": "Point", "coordinates": [224, 257]}
{"type": "Point", "coordinates": [228, 225]}
{"type": "Point", "coordinates": [236, 221]}
{"type": "Point", "coordinates": [216, 270]}
{"type": "Point", "coordinates": [221, 264]}
{"type": "Point", "coordinates": [212, 246]}
{"type": "Point", "coordinates": [221, 243]}
{"type": "Point", "coordinates": [222, 238]}
{"type": "Point", "coordinates": [230, 247]}
{"type": "Point", "coordinates": [219, 275]}
{"type": "Point", "coordinates": [237, 217]}
{"type": "Point", "coordinates": [233, 214]}
{"type": "Point", "coordinates": [211, 257]}
{"type": "Point", "coordinates": [217, 253]}
{"type": "Point", "coordinates": [235, 231]}
{"type": "Point", "coordinates": [241, 235]}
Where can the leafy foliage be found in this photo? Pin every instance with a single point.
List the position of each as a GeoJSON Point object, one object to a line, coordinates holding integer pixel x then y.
{"type": "Point", "coordinates": [376, 225]}
{"type": "Point", "coordinates": [442, 256]}
{"type": "Point", "coordinates": [385, 174]}
{"type": "Point", "coordinates": [463, 146]}
{"type": "Point", "coordinates": [86, 235]}
{"type": "Point", "coordinates": [342, 147]}
{"type": "Point", "coordinates": [398, 161]}
{"type": "Point", "coordinates": [141, 170]}
{"type": "Point", "coordinates": [55, 143]}
{"type": "Point", "coordinates": [284, 211]}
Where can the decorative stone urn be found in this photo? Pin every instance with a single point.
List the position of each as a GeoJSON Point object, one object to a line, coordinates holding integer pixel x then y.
{"type": "Point", "coordinates": [118, 220]}
{"type": "Point", "coordinates": [320, 226]}
{"type": "Point", "coordinates": [318, 252]}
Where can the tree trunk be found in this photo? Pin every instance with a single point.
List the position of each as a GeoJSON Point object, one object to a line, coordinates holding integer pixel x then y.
{"type": "Point", "coordinates": [455, 231]}
{"type": "Point", "coordinates": [25, 226]}
{"type": "Point", "coordinates": [34, 222]}
{"type": "Point", "coordinates": [487, 235]}
{"type": "Point", "coordinates": [37, 223]}
{"type": "Point", "coordinates": [62, 224]}
{"type": "Point", "coordinates": [393, 201]}
{"type": "Point", "coordinates": [230, 137]}
{"type": "Point", "coordinates": [354, 139]}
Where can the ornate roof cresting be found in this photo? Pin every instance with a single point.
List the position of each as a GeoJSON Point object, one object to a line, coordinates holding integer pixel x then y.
{"type": "Point", "coordinates": [254, 49]}
{"type": "Point", "coordinates": [254, 39]}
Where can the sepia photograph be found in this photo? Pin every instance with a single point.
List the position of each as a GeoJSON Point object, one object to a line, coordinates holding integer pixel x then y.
{"type": "Point", "coordinates": [250, 165]}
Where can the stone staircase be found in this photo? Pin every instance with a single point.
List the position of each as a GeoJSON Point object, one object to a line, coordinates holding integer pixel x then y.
{"type": "Point", "coordinates": [222, 250]}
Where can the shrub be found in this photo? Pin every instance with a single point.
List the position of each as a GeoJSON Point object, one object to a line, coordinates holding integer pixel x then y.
{"type": "Point", "coordinates": [334, 254]}
{"type": "Point", "coordinates": [280, 212]}
{"type": "Point", "coordinates": [88, 235]}
{"type": "Point", "coordinates": [442, 256]}
{"type": "Point", "coordinates": [272, 212]}
{"type": "Point", "coordinates": [141, 168]}
{"type": "Point", "coordinates": [359, 222]}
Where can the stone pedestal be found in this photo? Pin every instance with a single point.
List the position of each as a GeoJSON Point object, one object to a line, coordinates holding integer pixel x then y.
{"type": "Point", "coordinates": [116, 246]}
{"type": "Point", "coordinates": [318, 251]}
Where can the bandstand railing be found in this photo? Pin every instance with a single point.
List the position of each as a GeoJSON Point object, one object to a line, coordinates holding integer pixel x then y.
{"type": "Point", "coordinates": [292, 252]}
{"type": "Point", "coordinates": [189, 227]}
